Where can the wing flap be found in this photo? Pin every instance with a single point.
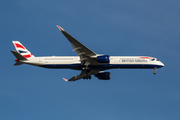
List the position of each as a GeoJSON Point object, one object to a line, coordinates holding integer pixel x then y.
{"type": "Point", "coordinates": [74, 78]}
{"type": "Point", "coordinates": [82, 75]}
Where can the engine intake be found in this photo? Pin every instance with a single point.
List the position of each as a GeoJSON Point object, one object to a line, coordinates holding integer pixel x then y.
{"type": "Point", "coordinates": [103, 59]}
{"type": "Point", "coordinates": [103, 75]}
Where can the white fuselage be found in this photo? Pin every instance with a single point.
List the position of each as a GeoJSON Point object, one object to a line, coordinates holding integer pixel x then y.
{"type": "Point", "coordinates": [73, 62]}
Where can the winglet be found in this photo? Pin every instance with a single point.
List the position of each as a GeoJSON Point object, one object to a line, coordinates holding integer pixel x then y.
{"type": "Point", "coordinates": [65, 79]}
{"type": "Point", "coordinates": [60, 28]}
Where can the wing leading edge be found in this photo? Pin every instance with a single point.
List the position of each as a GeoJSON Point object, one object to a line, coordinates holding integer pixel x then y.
{"type": "Point", "coordinates": [78, 47]}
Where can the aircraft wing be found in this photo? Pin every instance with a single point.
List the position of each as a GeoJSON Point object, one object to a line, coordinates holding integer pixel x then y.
{"type": "Point", "coordinates": [82, 75]}
{"type": "Point", "coordinates": [82, 51]}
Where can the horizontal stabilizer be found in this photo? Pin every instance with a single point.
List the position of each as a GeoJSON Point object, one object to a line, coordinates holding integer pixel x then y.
{"type": "Point", "coordinates": [18, 63]}
{"type": "Point", "coordinates": [18, 56]}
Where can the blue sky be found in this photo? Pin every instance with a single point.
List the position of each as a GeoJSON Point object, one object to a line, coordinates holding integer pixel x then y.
{"type": "Point", "coordinates": [113, 27]}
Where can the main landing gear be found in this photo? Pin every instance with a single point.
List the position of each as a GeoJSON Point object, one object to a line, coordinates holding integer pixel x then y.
{"type": "Point", "coordinates": [154, 70]}
{"type": "Point", "coordinates": [87, 71]}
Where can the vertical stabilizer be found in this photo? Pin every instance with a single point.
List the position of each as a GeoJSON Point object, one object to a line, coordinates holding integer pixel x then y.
{"type": "Point", "coordinates": [22, 50]}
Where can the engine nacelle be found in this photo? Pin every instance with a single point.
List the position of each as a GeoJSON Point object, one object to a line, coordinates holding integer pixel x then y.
{"type": "Point", "coordinates": [103, 75]}
{"type": "Point", "coordinates": [103, 59]}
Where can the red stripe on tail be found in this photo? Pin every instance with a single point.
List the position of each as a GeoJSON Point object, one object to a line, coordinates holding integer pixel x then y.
{"type": "Point", "coordinates": [28, 56]}
{"type": "Point", "coordinates": [19, 46]}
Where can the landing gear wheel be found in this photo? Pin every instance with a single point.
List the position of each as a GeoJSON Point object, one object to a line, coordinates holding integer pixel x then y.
{"type": "Point", "coordinates": [154, 70]}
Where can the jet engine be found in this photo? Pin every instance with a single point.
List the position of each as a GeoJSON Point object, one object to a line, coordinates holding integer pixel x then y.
{"type": "Point", "coordinates": [103, 75]}
{"type": "Point", "coordinates": [103, 59]}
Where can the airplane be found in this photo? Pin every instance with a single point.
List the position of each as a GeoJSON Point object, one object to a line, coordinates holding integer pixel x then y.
{"type": "Point", "coordinates": [87, 61]}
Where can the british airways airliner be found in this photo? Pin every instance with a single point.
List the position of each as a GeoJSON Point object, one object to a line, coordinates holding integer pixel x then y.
{"type": "Point", "coordinates": [87, 61]}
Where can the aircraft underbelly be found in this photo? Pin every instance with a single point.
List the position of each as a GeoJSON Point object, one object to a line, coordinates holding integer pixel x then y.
{"type": "Point", "coordinates": [101, 67]}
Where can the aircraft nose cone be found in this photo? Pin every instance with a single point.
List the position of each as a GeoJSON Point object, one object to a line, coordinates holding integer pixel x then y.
{"type": "Point", "coordinates": [162, 64]}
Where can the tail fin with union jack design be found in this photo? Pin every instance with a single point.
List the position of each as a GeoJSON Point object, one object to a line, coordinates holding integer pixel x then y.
{"type": "Point", "coordinates": [22, 50]}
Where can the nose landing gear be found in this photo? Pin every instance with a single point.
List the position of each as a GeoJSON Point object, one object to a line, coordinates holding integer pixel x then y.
{"type": "Point", "coordinates": [154, 70]}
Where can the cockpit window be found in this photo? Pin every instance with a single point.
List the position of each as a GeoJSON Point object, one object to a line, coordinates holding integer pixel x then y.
{"type": "Point", "coordinates": [157, 60]}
